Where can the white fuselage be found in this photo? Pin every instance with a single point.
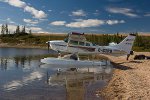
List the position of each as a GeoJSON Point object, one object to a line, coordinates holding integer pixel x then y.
{"type": "Point", "coordinates": [86, 48]}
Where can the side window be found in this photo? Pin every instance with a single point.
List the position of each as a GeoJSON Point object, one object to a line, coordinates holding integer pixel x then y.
{"type": "Point", "coordinates": [94, 44]}
{"type": "Point", "coordinates": [73, 42]}
{"type": "Point", "coordinates": [81, 43]}
{"type": "Point", "coordinates": [87, 44]}
{"type": "Point", "coordinates": [66, 39]}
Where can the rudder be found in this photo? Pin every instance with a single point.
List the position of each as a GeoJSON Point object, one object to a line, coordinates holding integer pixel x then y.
{"type": "Point", "coordinates": [127, 43]}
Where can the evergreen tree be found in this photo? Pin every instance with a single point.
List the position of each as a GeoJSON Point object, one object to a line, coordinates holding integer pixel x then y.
{"type": "Point", "coordinates": [6, 29]}
{"type": "Point", "coordinates": [139, 41]}
{"type": "Point", "coordinates": [3, 30]}
{"type": "Point", "coordinates": [121, 37]}
{"type": "Point", "coordinates": [18, 30]}
{"type": "Point", "coordinates": [23, 30]}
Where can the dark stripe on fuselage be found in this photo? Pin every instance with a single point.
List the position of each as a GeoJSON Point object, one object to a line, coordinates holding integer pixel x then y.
{"type": "Point", "coordinates": [59, 45]}
{"type": "Point", "coordinates": [85, 48]}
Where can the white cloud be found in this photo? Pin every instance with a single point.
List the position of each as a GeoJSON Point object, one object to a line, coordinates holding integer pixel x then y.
{"type": "Point", "coordinates": [11, 28]}
{"type": "Point", "coordinates": [50, 10]}
{"type": "Point", "coordinates": [10, 21]}
{"type": "Point", "coordinates": [20, 4]}
{"type": "Point", "coordinates": [124, 11]}
{"type": "Point", "coordinates": [15, 84]}
{"type": "Point", "coordinates": [96, 13]}
{"type": "Point", "coordinates": [86, 23]}
{"type": "Point", "coordinates": [122, 21]}
{"type": "Point", "coordinates": [148, 14]}
{"type": "Point", "coordinates": [58, 23]}
{"type": "Point", "coordinates": [79, 13]}
{"type": "Point", "coordinates": [29, 21]}
{"type": "Point", "coordinates": [36, 13]}
{"type": "Point", "coordinates": [80, 23]}
{"type": "Point", "coordinates": [35, 29]}
{"type": "Point", "coordinates": [111, 22]}
{"type": "Point", "coordinates": [16, 3]}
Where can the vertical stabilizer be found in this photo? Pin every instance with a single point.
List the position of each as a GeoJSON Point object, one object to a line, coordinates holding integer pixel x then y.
{"type": "Point", "coordinates": [127, 43]}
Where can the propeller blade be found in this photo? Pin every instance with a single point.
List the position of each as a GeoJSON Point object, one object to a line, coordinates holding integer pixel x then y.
{"type": "Point", "coordinates": [48, 45]}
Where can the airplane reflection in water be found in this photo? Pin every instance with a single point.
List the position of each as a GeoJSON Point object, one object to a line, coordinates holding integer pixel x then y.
{"type": "Point", "coordinates": [25, 73]}
{"type": "Point", "coordinates": [78, 81]}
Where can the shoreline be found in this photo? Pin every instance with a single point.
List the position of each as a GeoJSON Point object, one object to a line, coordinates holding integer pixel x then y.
{"type": "Point", "coordinates": [6, 45]}
{"type": "Point", "coordinates": [130, 80]}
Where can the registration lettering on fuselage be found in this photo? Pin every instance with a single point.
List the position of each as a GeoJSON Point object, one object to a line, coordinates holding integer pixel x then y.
{"type": "Point", "coordinates": [104, 50]}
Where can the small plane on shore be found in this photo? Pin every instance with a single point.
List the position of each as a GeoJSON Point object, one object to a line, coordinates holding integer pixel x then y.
{"type": "Point", "coordinates": [76, 43]}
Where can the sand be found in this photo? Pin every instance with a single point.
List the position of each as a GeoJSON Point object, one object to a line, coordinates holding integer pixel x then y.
{"type": "Point", "coordinates": [130, 80]}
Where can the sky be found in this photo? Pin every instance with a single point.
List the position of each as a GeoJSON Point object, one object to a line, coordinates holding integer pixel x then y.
{"type": "Point", "coordinates": [88, 16]}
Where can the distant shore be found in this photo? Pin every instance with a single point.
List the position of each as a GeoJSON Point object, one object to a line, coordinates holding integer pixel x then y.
{"type": "Point", "coordinates": [6, 45]}
{"type": "Point", "coordinates": [130, 80]}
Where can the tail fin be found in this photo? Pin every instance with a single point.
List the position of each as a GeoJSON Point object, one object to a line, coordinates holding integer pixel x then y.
{"type": "Point", "coordinates": [127, 43]}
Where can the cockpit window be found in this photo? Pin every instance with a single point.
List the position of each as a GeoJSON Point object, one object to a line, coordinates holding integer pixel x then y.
{"type": "Point", "coordinates": [94, 44]}
{"type": "Point", "coordinates": [73, 42]}
{"type": "Point", "coordinates": [87, 44]}
{"type": "Point", "coordinates": [81, 43]}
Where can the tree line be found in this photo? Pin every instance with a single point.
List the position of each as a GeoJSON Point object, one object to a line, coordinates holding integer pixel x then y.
{"type": "Point", "coordinates": [20, 30]}
{"type": "Point", "coordinates": [141, 43]}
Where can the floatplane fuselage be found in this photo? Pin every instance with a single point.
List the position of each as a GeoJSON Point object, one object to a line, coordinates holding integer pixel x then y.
{"type": "Point", "coordinates": [76, 44]}
{"type": "Point", "coordinates": [81, 46]}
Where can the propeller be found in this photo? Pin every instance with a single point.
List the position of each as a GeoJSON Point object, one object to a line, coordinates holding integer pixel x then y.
{"type": "Point", "coordinates": [48, 45]}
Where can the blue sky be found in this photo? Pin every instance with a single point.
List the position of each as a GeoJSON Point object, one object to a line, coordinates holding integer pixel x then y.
{"type": "Point", "coordinates": [89, 16]}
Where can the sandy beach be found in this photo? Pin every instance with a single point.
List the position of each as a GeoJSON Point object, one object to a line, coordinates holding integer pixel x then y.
{"type": "Point", "coordinates": [130, 80]}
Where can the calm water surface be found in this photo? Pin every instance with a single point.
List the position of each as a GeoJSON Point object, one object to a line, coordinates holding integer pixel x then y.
{"type": "Point", "coordinates": [23, 77]}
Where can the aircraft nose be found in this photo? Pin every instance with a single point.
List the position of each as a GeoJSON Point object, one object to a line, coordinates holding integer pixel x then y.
{"type": "Point", "coordinates": [51, 44]}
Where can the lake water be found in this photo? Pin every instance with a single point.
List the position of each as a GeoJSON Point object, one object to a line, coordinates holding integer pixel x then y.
{"type": "Point", "coordinates": [23, 77]}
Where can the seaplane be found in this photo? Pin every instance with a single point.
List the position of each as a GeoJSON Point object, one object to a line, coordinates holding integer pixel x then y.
{"type": "Point", "coordinates": [76, 44]}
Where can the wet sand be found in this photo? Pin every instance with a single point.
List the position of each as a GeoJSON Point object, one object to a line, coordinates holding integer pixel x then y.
{"type": "Point", "coordinates": [130, 81]}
